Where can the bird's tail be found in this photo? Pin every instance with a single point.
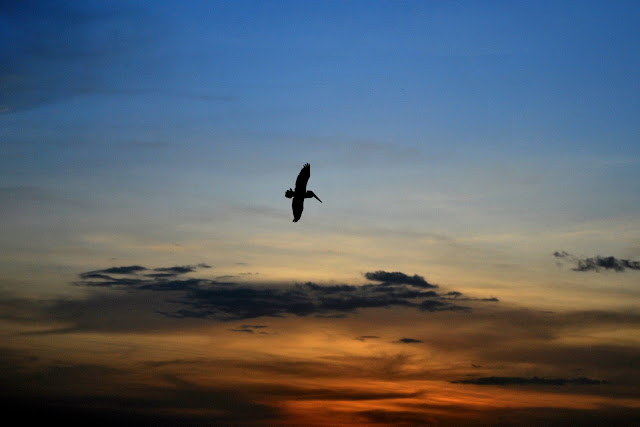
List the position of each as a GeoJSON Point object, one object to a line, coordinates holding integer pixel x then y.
{"type": "Point", "coordinates": [288, 194]}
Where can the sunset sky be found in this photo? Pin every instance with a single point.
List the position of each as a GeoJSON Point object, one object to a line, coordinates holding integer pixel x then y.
{"type": "Point", "coordinates": [475, 260]}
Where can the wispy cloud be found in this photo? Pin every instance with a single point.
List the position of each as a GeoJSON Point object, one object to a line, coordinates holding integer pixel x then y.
{"type": "Point", "coordinates": [250, 329]}
{"type": "Point", "coordinates": [130, 269]}
{"type": "Point", "coordinates": [528, 381]}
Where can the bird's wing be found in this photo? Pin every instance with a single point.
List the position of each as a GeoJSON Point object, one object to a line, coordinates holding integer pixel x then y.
{"type": "Point", "coordinates": [303, 177]}
{"type": "Point", "coordinates": [297, 205]}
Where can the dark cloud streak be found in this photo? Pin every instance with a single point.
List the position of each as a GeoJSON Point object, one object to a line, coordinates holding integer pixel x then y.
{"type": "Point", "coordinates": [529, 381]}
{"type": "Point", "coordinates": [599, 263]}
{"type": "Point", "coordinates": [131, 269]}
{"type": "Point", "coordinates": [408, 341]}
{"type": "Point", "coordinates": [398, 278]}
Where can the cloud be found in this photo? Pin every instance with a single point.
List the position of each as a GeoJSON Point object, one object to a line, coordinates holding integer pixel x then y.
{"type": "Point", "coordinates": [465, 415]}
{"type": "Point", "coordinates": [398, 278]}
{"type": "Point", "coordinates": [458, 296]}
{"type": "Point", "coordinates": [599, 263]}
{"type": "Point", "coordinates": [528, 381]}
{"type": "Point", "coordinates": [152, 281]}
{"type": "Point", "coordinates": [206, 298]}
{"type": "Point", "coordinates": [247, 330]}
{"type": "Point", "coordinates": [134, 269]}
{"type": "Point", "coordinates": [408, 341]}
{"type": "Point", "coordinates": [434, 305]}
{"type": "Point", "coordinates": [177, 270]}
{"type": "Point", "coordinates": [96, 274]}
{"type": "Point", "coordinates": [250, 329]}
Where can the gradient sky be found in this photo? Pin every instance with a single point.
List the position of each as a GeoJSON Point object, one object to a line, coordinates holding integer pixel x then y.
{"type": "Point", "coordinates": [475, 258]}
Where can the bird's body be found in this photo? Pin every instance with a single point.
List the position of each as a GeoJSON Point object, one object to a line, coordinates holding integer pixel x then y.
{"type": "Point", "coordinates": [300, 193]}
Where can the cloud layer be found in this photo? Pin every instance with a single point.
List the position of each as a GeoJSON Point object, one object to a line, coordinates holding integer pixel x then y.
{"type": "Point", "coordinates": [215, 299]}
{"type": "Point", "coordinates": [270, 370]}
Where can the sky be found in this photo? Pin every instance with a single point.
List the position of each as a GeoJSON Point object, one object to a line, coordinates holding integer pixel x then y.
{"type": "Point", "coordinates": [475, 260]}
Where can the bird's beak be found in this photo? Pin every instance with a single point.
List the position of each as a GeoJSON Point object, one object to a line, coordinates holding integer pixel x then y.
{"type": "Point", "coordinates": [317, 198]}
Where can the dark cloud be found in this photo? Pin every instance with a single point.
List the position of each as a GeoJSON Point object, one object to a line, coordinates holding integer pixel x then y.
{"type": "Point", "coordinates": [599, 263]}
{"type": "Point", "coordinates": [165, 278]}
{"type": "Point", "coordinates": [160, 275]}
{"type": "Point", "coordinates": [303, 393]}
{"type": "Point", "coordinates": [607, 263]}
{"type": "Point", "coordinates": [620, 359]}
{"type": "Point", "coordinates": [250, 329]}
{"type": "Point", "coordinates": [92, 275]}
{"type": "Point", "coordinates": [331, 316]}
{"type": "Point", "coordinates": [439, 305]}
{"type": "Point", "coordinates": [247, 330]}
{"type": "Point", "coordinates": [529, 381]}
{"type": "Point", "coordinates": [458, 296]}
{"type": "Point", "coordinates": [244, 301]}
{"type": "Point", "coordinates": [134, 269]}
{"type": "Point", "coordinates": [206, 298]}
{"type": "Point", "coordinates": [131, 269]}
{"type": "Point", "coordinates": [177, 269]}
{"type": "Point", "coordinates": [399, 279]}
{"type": "Point", "coordinates": [408, 341]}
{"type": "Point", "coordinates": [108, 281]}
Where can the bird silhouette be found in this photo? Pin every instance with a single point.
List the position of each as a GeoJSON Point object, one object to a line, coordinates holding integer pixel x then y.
{"type": "Point", "coordinates": [301, 193]}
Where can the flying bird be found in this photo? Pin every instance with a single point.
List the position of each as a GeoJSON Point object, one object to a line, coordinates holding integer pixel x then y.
{"type": "Point", "coordinates": [301, 193]}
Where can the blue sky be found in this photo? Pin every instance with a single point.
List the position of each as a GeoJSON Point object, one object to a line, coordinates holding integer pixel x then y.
{"type": "Point", "coordinates": [465, 142]}
{"type": "Point", "coordinates": [454, 119]}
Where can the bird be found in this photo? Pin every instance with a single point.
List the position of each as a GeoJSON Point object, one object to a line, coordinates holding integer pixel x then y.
{"type": "Point", "coordinates": [300, 193]}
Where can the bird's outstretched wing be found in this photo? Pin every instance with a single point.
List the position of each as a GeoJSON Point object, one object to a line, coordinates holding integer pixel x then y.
{"type": "Point", "coordinates": [297, 205]}
{"type": "Point", "coordinates": [303, 177]}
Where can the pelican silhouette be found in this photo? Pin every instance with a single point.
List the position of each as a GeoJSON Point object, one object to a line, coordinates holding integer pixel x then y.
{"type": "Point", "coordinates": [301, 193]}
